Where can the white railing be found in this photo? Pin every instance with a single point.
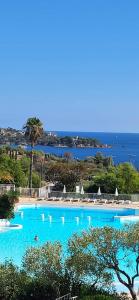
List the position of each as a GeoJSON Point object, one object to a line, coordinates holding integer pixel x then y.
{"type": "Point", "coordinates": [67, 297]}
{"type": "Point", "coordinates": [34, 192]}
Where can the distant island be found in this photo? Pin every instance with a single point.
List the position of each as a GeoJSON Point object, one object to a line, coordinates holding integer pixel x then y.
{"type": "Point", "coordinates": [9, 136]}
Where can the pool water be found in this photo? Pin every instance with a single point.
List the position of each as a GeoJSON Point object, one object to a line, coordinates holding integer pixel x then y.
{"type": "Point", "coordinates": [58, 225]}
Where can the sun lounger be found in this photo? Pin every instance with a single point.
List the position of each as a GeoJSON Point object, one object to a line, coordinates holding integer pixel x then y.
{"type": "Point", "coordinates": [52, 199]}
{"type": "Point", "coordinates": [111, 201]}
{"type": "Point", "coordinates": [55, 199]}
{"type": "Point", "coordinates": [66, 199]}
{"type": "Point", "coordinates": [103, 201]}
{"type": "Point", "coordinates": [92, 200]}
{"type": "Point", "coordinates": [75, 200]}
{"type": "Point", "coordinates": [120, 201]}
{"type": "Point", "coordinates": [41, 199]}
{"type": "Point", "coordinates": [127, 202]}
{"type": "Point", "coordinates": [84, 200]}
{"type": "Point", "coordinates": [59, 199]}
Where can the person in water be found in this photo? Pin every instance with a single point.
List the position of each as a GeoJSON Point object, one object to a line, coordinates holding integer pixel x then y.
{"type": "Point", "coordinates": [36, 238]}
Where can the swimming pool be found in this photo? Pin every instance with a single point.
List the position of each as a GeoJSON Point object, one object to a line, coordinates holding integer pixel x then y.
{"type": "Point", "coordinates": [52, 224]}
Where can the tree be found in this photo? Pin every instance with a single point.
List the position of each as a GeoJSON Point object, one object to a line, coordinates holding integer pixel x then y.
{"type": "Point", "coordinates": [7, 202]}
{"type": "Point", "coordinates": [108, 182]}
{"type": "Point", "coordinates": [129, 178]}
{"type": "Point", "coordinates": [36, 180]}
{"type": "Point", "coordinates": [45, 263]}
{"type": "Point", "coordinates": [33, 131]}
{"type": "Point", "coordinates": [5, 177]}
{"type": "Point", "coordinates": [83, 265]}
{"type": "Point", "coordinates": [117, 250]}
{"type": "Point", "coordinates": [67, 141]}
{"type": "Point", "coordinates": [13, 282]}
{"type": "Point", "coordinates": [62, 174]}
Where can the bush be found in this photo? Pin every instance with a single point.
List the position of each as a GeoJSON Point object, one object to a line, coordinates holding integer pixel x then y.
{"type": "Point", "coordinates": [7, 202]}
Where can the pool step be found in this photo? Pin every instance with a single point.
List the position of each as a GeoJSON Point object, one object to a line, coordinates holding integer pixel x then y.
{"type": "Point", "coordinates": [127, 218]}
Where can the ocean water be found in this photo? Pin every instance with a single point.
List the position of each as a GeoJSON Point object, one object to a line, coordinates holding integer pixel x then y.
{"type": "Point", "coordinates": [59, 225]}
{"type": "Point", "coordinates": [125, 146]}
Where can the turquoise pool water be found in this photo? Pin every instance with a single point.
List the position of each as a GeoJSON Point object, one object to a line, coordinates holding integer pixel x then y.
{"type": "Point", "coordinates": [59, 224]}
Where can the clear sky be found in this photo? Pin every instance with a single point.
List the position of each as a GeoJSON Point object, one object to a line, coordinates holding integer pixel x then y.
{"type": "Point", "coordinates": [72, 63]}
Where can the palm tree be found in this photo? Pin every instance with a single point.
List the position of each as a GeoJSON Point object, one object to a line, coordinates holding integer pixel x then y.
{"type": "Point", "coordinates": [33, 130]}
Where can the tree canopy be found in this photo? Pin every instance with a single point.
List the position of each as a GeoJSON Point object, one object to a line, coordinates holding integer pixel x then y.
{"type": "Point", "coordinates": [115, 250]}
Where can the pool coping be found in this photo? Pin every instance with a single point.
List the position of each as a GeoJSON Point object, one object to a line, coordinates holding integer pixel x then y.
{"type": "Point", "coordinates": [32, 201]}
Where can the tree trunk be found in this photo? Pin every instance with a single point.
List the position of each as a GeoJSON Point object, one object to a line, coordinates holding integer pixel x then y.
{"type": "Point", "coordinates": [133, 293]}
{"type": "Point", "coordinates": [30, 171]}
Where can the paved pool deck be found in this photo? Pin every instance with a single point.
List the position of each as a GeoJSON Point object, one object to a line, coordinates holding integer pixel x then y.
{"type": "Point", "coordinates": [65, 203]}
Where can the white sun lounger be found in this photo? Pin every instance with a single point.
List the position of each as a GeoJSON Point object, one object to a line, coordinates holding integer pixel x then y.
{"type": "Point", "coordinates": [93, 200]}
{"type": "Point", "coordinates": [75, 199]}
{"type": "Point", "coordinates": [51, 199]}
{"type": "Point", "coordinates": [120, 201]}
{"type": "Point", "coordinates": [66, 199]}
{"type": "Point", "coordinates": [127, 202]}
{"type": "Point", "coordinates": [103, 201]}
{"type": "Point", "coordinates": [84, 199]}
{"type": "Point", "coordinates": [111, 201]}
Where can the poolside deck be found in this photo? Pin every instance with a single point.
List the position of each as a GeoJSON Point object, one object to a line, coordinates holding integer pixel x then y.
{"type": "Point", "coordinates": [63, 202]}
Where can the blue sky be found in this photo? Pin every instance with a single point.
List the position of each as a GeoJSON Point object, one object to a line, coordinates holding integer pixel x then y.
{"type": "Point", "coordinates": [72, 63]}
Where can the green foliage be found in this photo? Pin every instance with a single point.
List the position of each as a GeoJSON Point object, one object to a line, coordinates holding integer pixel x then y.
{"type": "Point", "coordinates": [128, 178]}
{"type": "Point", "coordinates": [67, 141]}
{"type": "Point", "coordinates": [45, 274]}
{"type": "Point", "coordinates": [108, 183]}
{"type": "Point", "coordinates": [33, 130]}
{"type": "Point", "coordinates": [92, 172]}
{"type": "Point", "coordinates": [44, 261]}
{"type": "Point", "coordinates": [125, 177]}
{"type": "Point", "coordinates": [19, 176]}
{"type": "Point", "coordinates": [110, 247]}
{"type": "Point", "coordinates": [12, 282]}
{"type": "Point", "coordinates": [46, 266]}
{"type": "Point", "coordinates": [36, 181]}
{"type": "Point", "coordinates": [25, 163]}
{"type": "Point", "coordinates": [63, 174]}
{"type": "Point", "coordinates": [7, 202]}
{"type": "Point", "coordinates": [84, 266]}
{"type": "Point", "coordinates": [13, 170]}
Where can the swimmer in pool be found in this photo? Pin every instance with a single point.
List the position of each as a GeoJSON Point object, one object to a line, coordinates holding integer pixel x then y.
{"type": "Point", "coordinates": [36, 238]}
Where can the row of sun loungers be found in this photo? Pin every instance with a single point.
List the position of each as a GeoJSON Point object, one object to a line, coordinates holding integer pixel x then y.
{"type": "Point", "coordinates": [88, 200]}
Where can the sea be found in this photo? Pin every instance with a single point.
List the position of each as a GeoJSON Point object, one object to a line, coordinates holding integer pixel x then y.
{"type": "Point", "coordinates": [125, 146]}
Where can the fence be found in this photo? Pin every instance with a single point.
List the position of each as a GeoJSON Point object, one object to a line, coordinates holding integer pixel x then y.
{"type": "Point", "coordinates": [34, 192]}
{"type": "Point", "coordinates": [93, 196]}
{"type": "Point", "coordinates": [44, 192]}
{"type": "Point", "coordinates": [65, 297]}
{"type": "Point", "coordinates": [4, 188]}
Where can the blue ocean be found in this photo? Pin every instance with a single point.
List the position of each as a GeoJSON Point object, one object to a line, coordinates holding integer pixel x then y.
{"type": "Point", "coordinates": [125, 146]}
